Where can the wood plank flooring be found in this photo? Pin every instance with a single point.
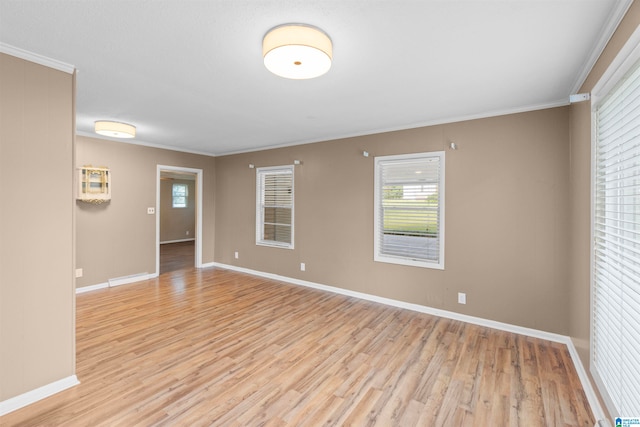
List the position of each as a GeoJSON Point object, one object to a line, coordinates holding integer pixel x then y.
{"type": "Point", "coordinates": [177, 256]}
{"type": "Point", "coordinates": [218, 348]}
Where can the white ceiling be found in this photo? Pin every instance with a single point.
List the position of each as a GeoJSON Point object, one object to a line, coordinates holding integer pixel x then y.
{"type": "Point", "coordinates": [189, 74]}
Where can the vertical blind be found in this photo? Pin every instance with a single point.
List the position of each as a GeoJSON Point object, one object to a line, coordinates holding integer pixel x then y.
{"type": "Point", "coordinates": [409, 209]}
{"type": "Point", "coordinates": [616, 274]}
{"type": "Point", "coordinates": [275, 206]}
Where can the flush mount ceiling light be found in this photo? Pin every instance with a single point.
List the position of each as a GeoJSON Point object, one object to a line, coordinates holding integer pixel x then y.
{"type": "Point", "coordinates": [297, 51]}
{"type": "Point", "coordinates": [115, 129]}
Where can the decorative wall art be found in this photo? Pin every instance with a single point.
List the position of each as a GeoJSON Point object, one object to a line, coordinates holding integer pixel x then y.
{"type": "Point", "coordinates": [94, 184]}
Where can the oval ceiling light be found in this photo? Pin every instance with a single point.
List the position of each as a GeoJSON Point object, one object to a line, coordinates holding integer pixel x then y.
{"type": "Point", "coordinates": [297, 51]}
{"type": "Point", "coordinates": [115, 129]}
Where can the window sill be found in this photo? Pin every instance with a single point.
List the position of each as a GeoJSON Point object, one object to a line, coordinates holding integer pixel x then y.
{"type": "Point", "coordinates": [274, 244]}
{"type": "Point", "coordinates": [409, 262]}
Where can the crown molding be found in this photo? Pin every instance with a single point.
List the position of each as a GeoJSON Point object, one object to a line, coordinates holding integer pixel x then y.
{"type": "Point", "coordinates": [409, 126]}
{"type": "Point", "coordinates": [36, 58]}
{"type": "Point", "coordinates": [609, 28]}
{"type": "Point", "coordinates": [134, 141]}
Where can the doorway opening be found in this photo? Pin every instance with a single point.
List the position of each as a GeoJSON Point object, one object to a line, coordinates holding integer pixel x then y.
{"type": "Point", "coordinates": [178, 218]}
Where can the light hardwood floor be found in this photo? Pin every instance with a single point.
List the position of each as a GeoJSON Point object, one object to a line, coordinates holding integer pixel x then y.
{"type": "Point", "coordinates": [177, 256]}
{"type": "Point", "coordinates": [215, 347]}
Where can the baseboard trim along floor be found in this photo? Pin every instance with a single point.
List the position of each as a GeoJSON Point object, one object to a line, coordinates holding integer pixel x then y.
{"type": "Point", "coordinates": [39, 393]}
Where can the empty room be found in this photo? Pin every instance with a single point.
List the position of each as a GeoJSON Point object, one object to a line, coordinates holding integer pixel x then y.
{"type": "Point", "coordinates": [305, 213]}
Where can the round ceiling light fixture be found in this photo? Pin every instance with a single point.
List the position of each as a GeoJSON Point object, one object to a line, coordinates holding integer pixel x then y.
{"type": "Point", "coordinates": [297, 51]}
{"type": "Point", "coordinates": [115, 129]}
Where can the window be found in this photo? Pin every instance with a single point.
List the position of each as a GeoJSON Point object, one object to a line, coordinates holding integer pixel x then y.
{"type": "Point", "coordinates": [179, 194]}
{"type": "Point", "coordinates": [274, 206]}
{"type": "Point", "coordinates": [409, 209]}
{"type": "Point", "coordinates": [616, 246]}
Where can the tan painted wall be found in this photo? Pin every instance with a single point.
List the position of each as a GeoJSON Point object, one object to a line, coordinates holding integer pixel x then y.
{"type": "Point", "coordinates": [580, 190]}
{"type": "Point", "coordinates": [176, 222]}
{"type": "Point", "coordinates": [37, 311]}
{"type": "Point", "coordinates": [118, 238]}
{"type": "Point", "coordinates": [506, 217]}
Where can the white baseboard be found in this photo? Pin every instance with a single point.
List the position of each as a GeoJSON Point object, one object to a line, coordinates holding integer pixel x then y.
{"type": "Point", "coordinates": [92, 288]}
{"type": "Point", "coordinates": [535, 333]}
{"type": "Point", "coordinates": [178, 241]}
{"type": "Point", "coordinates": [39, 393]}
{"type": "Point", "coordinates": [402, 304]}
{"type": "Point", "coordinates": [125, 280]}
{"type": "Point", "coordinates": [594, 402]}
{"type": "Point", "coordinates": [118, 281]}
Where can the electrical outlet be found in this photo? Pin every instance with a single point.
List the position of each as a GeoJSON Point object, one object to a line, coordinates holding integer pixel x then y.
{"type": "Point", "coordinates": [462, 298]}
{"type": "Point", "coordinates": [187, 232]}
{"type": "Point", "coordinates": [303, 267]}
{"type": "Point", "coordinates": [151, 211]}
{"type": "Point", "coordinates": [236, 255]}
{"type": "Point", "coordinates": [79, 272]}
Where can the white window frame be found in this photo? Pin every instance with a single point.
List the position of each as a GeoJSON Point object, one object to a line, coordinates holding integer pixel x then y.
{"type": "Point", "coordinates": [173, 195]}
{"type": "Point", "coordinates": [378, 220]}
{"type": "Point", "coordinates": [260, 240]}
{"type": "Point", "coordinates": [627, 58]}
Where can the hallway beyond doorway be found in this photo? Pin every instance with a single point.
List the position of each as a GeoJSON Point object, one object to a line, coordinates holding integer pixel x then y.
{"type": "Point", "coordinates": [177, 256]}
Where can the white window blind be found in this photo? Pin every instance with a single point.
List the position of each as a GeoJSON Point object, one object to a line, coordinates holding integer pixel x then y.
{"type": "Point", "coordinates": [274, 216]}
{"type": "Point", "coordinates": [409, 209]}
{"type": "Point", "coordinates": [179, 194]}
{"type": "Point", "coordinates": [616, 228]}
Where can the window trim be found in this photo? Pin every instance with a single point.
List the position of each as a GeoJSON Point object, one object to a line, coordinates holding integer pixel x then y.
{"type": "Point", "coordinates": [260, 241]}
{"type": "Point", "coordinates": [378, 257]}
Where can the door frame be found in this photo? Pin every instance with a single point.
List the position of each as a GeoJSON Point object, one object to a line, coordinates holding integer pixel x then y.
{"type": "Point", "coordinates": [198, 233]}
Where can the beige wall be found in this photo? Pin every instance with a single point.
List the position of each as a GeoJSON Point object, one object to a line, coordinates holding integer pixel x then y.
{"type": "Point", "coordinates": [177, 223]}
{"type": "Point", "coordinates": [37, 311]}
{"type": "Point", "coordinates": [580, 190]}
{"type": "Point", "coordinates": [506, 217]}
{"type": "Point", "coordinates": [118, 238]}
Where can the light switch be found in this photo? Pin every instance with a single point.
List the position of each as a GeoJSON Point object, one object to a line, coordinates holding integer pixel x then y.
{"type": "Point", "coordinates": [151, 211]}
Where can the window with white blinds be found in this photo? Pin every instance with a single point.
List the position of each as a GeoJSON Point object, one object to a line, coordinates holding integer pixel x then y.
{"type": "Point", "coordinates": [409, 209]}
{"type": "Point", "coordinates": [616, 239]}
{"type": "Point", "coordinates": [179, 193]}
{"type": "Point", "coordinates": [274, 214]}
